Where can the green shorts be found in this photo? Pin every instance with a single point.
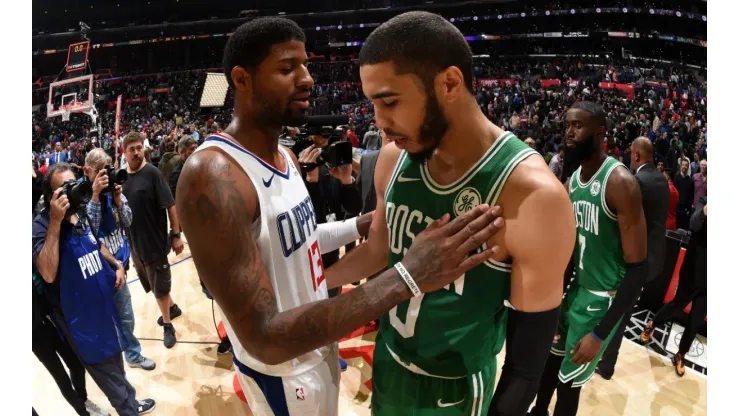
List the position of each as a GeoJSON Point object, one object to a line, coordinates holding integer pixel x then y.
{"type": "Point", "coordinates": [398, 391]}
{"type": "Point", "coordinates": [582, 312]}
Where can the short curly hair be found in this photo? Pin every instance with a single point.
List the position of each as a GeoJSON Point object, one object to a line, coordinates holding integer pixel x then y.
{"type": "Point", "coordinates": [420, 43]}
{"type": "Point", "coordinates": [250, 43]}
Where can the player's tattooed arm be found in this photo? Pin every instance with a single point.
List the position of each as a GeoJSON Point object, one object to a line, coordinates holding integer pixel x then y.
{"type": "Point", "coordinates": [217, 205]}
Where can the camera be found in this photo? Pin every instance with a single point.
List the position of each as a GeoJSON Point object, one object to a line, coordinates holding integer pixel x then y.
{"type": "Point", "coordinates": [336, 153]}
{"type": "Point", "coordinates": [78, 194]}
{"type": "Point", "coordinates": [115, 177]}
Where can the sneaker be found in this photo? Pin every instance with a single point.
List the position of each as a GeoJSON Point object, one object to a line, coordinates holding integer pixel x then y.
{"type": "Point", "coordinates": [647, 333]}
{"type": "Point", "coordinates": [342, 364]}
{"type": "Point", "coordinates": [606, 375]}
{"type": "Point", "coordinates": [146, 406]}
{"type": "Point", "coordinates": [174, 313]}
{"type": "Point", "coordinates": [224, 347]}
{"type": "Point", "coordinates": [143, 363]}
{"type": "Point", "coordinates": [94, 409]}
{"type": "Point", "coordinates": [678, 364]}
{"type": "Point", "coordinates": [169, 336]}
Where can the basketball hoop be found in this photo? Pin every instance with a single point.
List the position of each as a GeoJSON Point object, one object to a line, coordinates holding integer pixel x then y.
{"type": "Point", "coordinates": [66, 114]}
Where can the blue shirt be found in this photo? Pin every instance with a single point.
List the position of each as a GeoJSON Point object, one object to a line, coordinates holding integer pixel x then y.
{"type": "Point", "coordinates": [82, 293]}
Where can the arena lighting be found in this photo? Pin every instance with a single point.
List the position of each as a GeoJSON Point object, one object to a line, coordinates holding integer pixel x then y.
{"type": "Point", "coordinates": [215, 87]}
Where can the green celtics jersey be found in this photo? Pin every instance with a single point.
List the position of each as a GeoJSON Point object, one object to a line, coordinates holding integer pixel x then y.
{"type": "Point", "coordinates": [454, 331]}
{"type": "Point", "coordinates": [598, 261]}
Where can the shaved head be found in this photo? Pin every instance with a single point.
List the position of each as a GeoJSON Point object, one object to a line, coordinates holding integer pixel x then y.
{"type": "Point", "coordinates": [642, 152]}
{"type": "Point", "coordinates": [643, 145]}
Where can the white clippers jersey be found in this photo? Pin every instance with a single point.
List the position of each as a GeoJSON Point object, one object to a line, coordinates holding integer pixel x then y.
{"type": "Point", "coordinates": [286, 234]}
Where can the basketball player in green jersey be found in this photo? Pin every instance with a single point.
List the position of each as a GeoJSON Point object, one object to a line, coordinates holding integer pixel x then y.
{"type": "Point", "coordinates": [436, 354]}
{"type": "Point", "coordinates": [608, 263]}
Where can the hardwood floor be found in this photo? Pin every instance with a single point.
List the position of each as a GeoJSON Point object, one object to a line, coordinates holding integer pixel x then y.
{"type": "Point", "coordinates": [191, 379]}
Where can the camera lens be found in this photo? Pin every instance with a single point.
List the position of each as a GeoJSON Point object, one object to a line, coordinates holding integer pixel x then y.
{"type": "Point", "coordinates": [121, 176]}
{"type": "Point", "coordinates": [80, 193]}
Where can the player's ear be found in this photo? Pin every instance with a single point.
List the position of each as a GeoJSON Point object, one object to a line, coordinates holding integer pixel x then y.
{"type": "Point", "coordinates": [452, 83]}
{"type": "Point", "coordinates": [242, 79]}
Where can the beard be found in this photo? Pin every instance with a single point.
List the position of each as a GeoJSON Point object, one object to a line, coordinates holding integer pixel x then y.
{"type": "Point", "coordinates": [581, 151]}
{"type": "Point", "coordinates": [432, 129]}
{"type": "Point", "coordinates": [276, 113]}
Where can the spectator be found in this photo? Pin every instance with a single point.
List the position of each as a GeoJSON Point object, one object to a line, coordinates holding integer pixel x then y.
{"type": "Point", "coordinates": [557, 161]}
{"type": "Point", "coordinates": [59, 155]}
{"type": "Point", "coordinates": [700, 182]}
{"type": "Point", "coordinates": [68, 258]}
{"type": "Point", "coordinates": [109, 215]}
{"type": "Point", "coordinates": [186, 146]}
{"type": "Point", "coordinates": [151, 202]}
{"type": "Point", "coordinates": [685, 185]}
{"type": "Point", "coordinates": [671, 222]}
{"type": "Point", "coordinates": [371, 140]}
{"type": "Point", "coordinates": [169, 159]}
{"type": "Point", "coordinates": [695, 164]}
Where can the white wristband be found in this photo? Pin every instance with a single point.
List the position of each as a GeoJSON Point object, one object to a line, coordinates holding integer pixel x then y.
{"type": "Point", "coordinates": [408, 279]}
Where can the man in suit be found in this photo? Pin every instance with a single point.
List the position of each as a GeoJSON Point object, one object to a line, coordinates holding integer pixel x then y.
{"type": "Point", "coordinates": [655, 199]}
{"type": "Point", "coordinates": [58, 155]}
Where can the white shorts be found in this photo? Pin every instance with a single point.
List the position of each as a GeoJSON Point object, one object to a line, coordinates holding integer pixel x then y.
{"type": "Point", "coordinates": [313, 393]}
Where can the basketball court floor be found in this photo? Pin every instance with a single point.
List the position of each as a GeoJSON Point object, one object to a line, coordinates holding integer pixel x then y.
{"type": "Point", "coordinates": [191, 379]}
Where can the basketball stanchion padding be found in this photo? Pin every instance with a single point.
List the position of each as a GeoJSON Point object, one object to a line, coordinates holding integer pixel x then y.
{"type": "Point", "coordinates": [238, 389]}
{"type": "Point", "coordinates": [221, 331]}
{"type": "Point", "coordinates": [673, 286]}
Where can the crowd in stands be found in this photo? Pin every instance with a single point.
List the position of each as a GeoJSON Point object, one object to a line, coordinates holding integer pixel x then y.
{"type": "Point", "coordinates": [671, 110]}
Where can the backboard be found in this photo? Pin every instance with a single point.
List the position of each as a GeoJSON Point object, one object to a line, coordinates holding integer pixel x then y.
{"type": "Point", "coordinates": [73, 95]}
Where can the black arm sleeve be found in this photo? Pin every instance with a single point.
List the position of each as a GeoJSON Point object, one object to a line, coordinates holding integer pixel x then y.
{"type": "Point", "coordinates": [627, 294]}
{"type": "Point", "coordinates": [529, 337]}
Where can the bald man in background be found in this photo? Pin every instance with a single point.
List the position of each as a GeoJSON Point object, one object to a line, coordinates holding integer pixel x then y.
{"type": "Point", "coordinates": [530, 142]}
{"type": "Point", "coordinates": [655, 199]}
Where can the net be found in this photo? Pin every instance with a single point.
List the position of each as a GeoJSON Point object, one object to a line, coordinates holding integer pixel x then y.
{"type": "Point", "coordinates": [65, 115]}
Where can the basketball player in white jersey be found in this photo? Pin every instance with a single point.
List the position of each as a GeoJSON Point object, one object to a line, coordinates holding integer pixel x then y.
{"type": "Point", "coordinates": [256, 245]}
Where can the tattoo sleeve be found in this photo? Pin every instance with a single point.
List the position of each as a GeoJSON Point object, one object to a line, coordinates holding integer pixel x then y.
{"type": "Point", "coordinates": [216, 203]}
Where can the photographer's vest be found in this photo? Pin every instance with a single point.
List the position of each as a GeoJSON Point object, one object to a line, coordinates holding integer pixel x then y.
{"type": "Point", "coordinates": [86, 288]}
{"type": "Point", "coordinates": [111, 233]}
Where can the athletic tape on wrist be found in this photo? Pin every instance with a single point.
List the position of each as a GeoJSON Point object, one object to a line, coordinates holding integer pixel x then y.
{"type": "Point", "coordinates": [408, 279]}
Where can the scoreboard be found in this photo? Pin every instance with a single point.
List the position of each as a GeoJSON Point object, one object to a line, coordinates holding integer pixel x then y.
{"type": "Point", "coordinates": [77, 56]}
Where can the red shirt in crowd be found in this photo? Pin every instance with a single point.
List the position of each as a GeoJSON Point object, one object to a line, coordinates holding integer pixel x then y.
{"type": "Point", "coordinates": [353, 138]}
{"type": "Point", "coordinates": [670, 222]}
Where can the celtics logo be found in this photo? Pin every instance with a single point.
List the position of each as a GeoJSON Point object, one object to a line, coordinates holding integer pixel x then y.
{"type": "Point", "coordinates": [466, 200]}
{"type": "Point", "coordinates": [595, 188]}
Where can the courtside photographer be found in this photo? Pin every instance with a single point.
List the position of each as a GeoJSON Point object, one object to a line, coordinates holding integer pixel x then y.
{"type": "Point", "coordinates": [327, 171]}
{"type": "Point", "coordinates": [109, 216]}
{"type": "Point", "coordinates": [81, 276]}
